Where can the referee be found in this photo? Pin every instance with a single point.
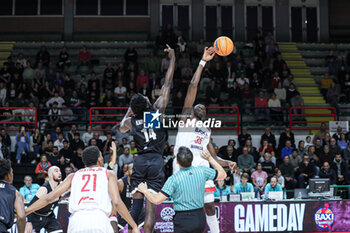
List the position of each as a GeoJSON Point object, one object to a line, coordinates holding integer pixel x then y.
{"type": "Point", "coordinates": [187, 189]}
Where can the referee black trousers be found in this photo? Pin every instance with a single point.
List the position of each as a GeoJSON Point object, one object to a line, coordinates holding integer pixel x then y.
{"type": "Point", "coordinates": [192, 221]}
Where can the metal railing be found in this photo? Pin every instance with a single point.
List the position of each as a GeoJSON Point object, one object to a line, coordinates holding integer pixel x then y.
{"type": "Point", "coordinates": [19, 116]}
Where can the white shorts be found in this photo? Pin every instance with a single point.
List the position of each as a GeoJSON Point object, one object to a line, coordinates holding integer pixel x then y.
{"type": "Point", "coordinates": [89, 222]}
{"type": "Point", "coordinates": [208, 197]}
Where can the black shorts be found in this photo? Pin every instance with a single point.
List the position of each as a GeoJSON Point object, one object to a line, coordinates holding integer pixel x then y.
{"type": "Point", "coordinates": [148, 168]}
{"type": "Point", "coordinates": [3, 228]}
{"type": "Point", "coordinates": [49, 223]}
{"type": "Point", "coordinates": [141, 219]}
{"type": "Point", "coordinates": [192, 221]}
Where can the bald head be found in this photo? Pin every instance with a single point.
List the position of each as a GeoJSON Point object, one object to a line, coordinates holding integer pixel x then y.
{"type": "Point", "coordinates": [55, 174]}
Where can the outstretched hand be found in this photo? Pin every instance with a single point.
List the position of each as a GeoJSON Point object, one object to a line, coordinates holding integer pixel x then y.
{"type": "Point", "coordinates": [205, 154]}
{"type": "Point", "coordinates": [142, 187]}
{"type": "Point", "coordinates": [170, 51]}
{"type": "Point", "coordinates": [113, 146]}
{"type": "Point", "coordinates": [208, 54]}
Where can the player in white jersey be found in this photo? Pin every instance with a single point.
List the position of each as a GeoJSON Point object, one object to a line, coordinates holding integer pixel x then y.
{"type": "Point", "coordinates": [198, 139]}
{"type": "Point", "coordinates": [94, 197]}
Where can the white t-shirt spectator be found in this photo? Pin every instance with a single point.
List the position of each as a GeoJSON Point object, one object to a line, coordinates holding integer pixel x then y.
{"type": "Point", "coordinates": [241, 81]}
{"type": "Point", "coordinates": [86, 137]}
{"type": "Point", "coordinates": [59, 144]}
{"type": "Point", "coordinates": [59, 100]}
{"type": "Point", "coordinates": [120, 90]}
{"type": "Point", "coordinates": [274, 103]}
{"type": "Point", "coordinates": [3, 94]}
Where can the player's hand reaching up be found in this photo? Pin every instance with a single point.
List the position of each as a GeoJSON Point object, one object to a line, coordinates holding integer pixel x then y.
{"type": "Point", "coordinates": [170, 51]}
{"type": "Point", "coordinates": [208, 54]}
{"type": "Point", "coordinates": [142, 187]}
{"type": "Point", "coordinates": [113, 146]}
{"type": "Point", "coordinates": [206, 154]}
{"type": "Point", "coordinates": [232, 165]}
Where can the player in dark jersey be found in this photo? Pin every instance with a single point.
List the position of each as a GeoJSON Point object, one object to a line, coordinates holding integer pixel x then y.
{"type": "Point", "coordinates": [148, 166]}
{"type": "Point", "coordinates": [10, 200]}
{"type": "Point", "coordinates": [45, 218]}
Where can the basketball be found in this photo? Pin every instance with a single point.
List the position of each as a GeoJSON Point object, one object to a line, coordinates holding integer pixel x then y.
{"type": "Point", "coordinates": [223, 46]}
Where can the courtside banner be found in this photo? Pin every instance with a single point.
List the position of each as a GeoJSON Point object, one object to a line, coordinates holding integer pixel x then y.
{"type": "Point", "coordinates": [287, 216]}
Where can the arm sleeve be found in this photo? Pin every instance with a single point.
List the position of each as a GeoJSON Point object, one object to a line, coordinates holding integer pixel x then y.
{"type": "Point", "coordinates": [210, 174]}
{"type": "Point", "coordinates": [169, 187]}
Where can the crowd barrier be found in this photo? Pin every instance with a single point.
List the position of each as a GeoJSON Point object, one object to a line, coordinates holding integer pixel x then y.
{"type": "Point", "coordinates": [255, 216]}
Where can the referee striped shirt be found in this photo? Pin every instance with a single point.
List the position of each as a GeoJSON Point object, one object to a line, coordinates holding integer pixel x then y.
{"type": "Point", "coordinates": [187, 187]}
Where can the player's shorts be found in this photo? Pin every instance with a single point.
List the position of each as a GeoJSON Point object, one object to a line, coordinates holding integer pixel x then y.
{"type": "Point", "coordinates": [148, 168]}
{"type": "Point", "coordinates": [209, 197]}
{"type": "Point", "coordinates": [49, 223]}
{"type": "Point", "coordinates": [3, 228]}
{"type": "Point", "coordinates": [94, 221]}
{"type": "Point", "coordinates": [141, 219]}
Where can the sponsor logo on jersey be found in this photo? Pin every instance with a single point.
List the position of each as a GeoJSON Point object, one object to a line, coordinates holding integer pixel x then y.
{"type": "Point", "coordinates": [324, 217]}
{"type": "Point", "coordinates": [151, 120]}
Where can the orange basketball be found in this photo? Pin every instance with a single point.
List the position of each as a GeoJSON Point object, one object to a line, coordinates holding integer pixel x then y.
{"type": "Point", "coordinates": [223, 46]}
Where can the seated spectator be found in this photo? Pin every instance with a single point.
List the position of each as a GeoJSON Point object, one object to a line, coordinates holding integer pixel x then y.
{"type": "Point", "coordinates": [259, 179]}
{"type": "Point", "coordinates": [221, 189]}
{"type": "Point", "coordinates": [70, 134]}
{"type": "Point", "coordinates": [66, 114]}
{"type": "Point", "coordinates": [125, 158]}
{"type": "Point", "coordinates": [287, 150]}
{"type": "Point", "coordinates": [337, 134]}
{"type": "Point", "coordinates": [340, 168]}
{"type": "Point", "coordinates": [272, 186]}
{"type": "Point", "coordinates": [325, 155]}
{"type": "Point", "coordinates": [326, 83]}
{"type": "Point", "coordinates": [268, 166]}
{"type": "Point", "coordinates": [58, 99]}
{"type": "Point", "coordinates": [286, 135]}
{"type": "Point", "coordinates": [212, 94]}
{"type": "Point", "coordinates": [244, 136]}
{"type": "Point", "coordinates": [22, 145]}
{"type": "Point", "coordinates": [84, 58]}
{"type": "Point", "coordinates": [43, 56]}
{"type": "Point", "coordinates": [29, 189]}
{"type": "Point", "coordinates": [76, 162]}
{"type": "Point", "coordinates": [280, 178]}
{"type": "Point", "coordinates": [42, 167]}
{"type": "Point", "coordinates": [63, 59]}
{"type": "Point", "coordinates": [270, 137]}
{"type": "Point", "coordinates": [76, 143]}
{"type": "Point", "coordinates": [53, 157]}
{"type": "Point", "coordinates": [261, 106]}
{"type": "Point", "coordinates": [151, 63]}
{"type": "Point", "coordinates": [298, 101]}
{"type": "Point", "coordinates": [320, 134]}
{"type": "Point", "coordinates": [156, 92]}
{"type": "Point", "coordinates": [334, 148]}
{"type": "Point", "coordinates": [246, 161]}
{"type": "Point", "coordinates": [291, 92]}
{"type": "Point", "coordinates": [244, 186]}
{"type": "Point", "coordinates": [133, 149]}
{"type": "Point", "coordinates": [231, 154]}
{"type": "Point", "coordinates": [288, 170]}
{"type": "Point", "coordinates": [275, 109]}
{"type": "Point", "coordinates": [246, 94]}
{"type": "Point", "coordinates": [87, 135]}
{"type": "Point", "coordinates": [266, 148]}
{"type": "Point", "coordinates": [306, 171]}
{"type": "Point", "coordinates": [327, 172]}
{"type": "Point", "coordinates": [242, 80]}
{"type": "Point", "coordinates": [301, 148]}
{"type": "Point", "coordinates": [223, 149]}
{"type": "Point", "coordinates": [275, 80]}
{"type": "Point", "coordinates": [251, 149]}
{"type": "Point", "coordinates": [59, 142]}
{"type": "Point", "coordinates": [281, 93]}
{"type": "Point", "coordinates": [130, 56]}
{"type": "Point", "coordinates": [308, 142]}
{"type": "Point", "coordinates": [6, 143]}
{"type": "Point", "coordinates": [141, 80]}
{"type": "Point", "coordinates": [326, 140]}
{"type": "Point", "coordinates": [38, 140]}
{"type": "Point", "coordinates": [66, 151]}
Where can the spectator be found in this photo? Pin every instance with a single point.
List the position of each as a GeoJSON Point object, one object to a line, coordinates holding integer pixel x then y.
{"type": "Point", "coordinates": [246, 161]}
{"type": "Point", "coordinates": [259, 179]}
{"type": "Point", "coordinates": [231, 154]}
{"type": "Point", "coordinates": [223, 149]}
{"type": "Point", "coordinates": [272, 186]}
{"type": "Point", "coordinates": [308, 142]}
{"type": "Point", "coordinates": [84, 57]}
{"type": "Point", "coordinates": [22, 145]}
{"type": "Point", "coordinates": [130, 56]}
{"type": "Point", "coordinates": [244, 136]}
{"type": "Point", "coordinates": [332, 97]}
{"type": "Point", "coordinates": [275, 109]}
{"type": "Point", "coordinates": [246, 95]}
{"type": "Point", "coordinates": [244, 186]}
{"type": "Point", "coordinates": [326, 140]}
{"type": "Point", "coordinates": [337, 134]}
{"type": "Point", "coordinates": [346, 153]}
{"type": "Point", "coordinates": [53, 157]}
{"type": "Point", "coordinates": [120, 93]}
{"type": "Point", "coordinates": [269, 137]}
{"type": "Point", "coordinates": [281, 93]}
{"type": "Point", "coordinates": [21, 60]}
{"type": "Point", "coordinates": [141, 80]}
{"type": "Point", "coordinates": [280, 178]}
{"type": "Point", "coordinates": [286, 135]}
{"type": "Point", "coordinates": [320, 134]}
{"type": "Point", "coordinates": [96, 136]}
{"type": "Point", "coordinates": [63, 59]}
{"type": "Point", "coordinates": [326, 83]}
{"type": "Point", "coordinates": [156, 92]}
{"type": "Point", "coordinates": [54, 114]}
{"type": "Point", "coordinates": [301, 148]}
{"type": "Point", "coordinates": [145, 91]}
{"type": "Point", "coordinates": [66, 151]}
{"type": "Point", "coordinates": [298, 101]}
{"type": "Point", "coordinates": [325, 155]}
{"type": "Point", "coordinates": [306, 171]}
{"type": "Point", "coordinates": [261, 106]}
{"type": "Point", "coordinates": [42, 167]}
{"type": "Point", "coordinates": [234, 93]}
{"type": "Point", "coordinates": [242, 80]}
{"type": "Point", "coordinates": [287, 171]}
{"type": "Point", "coordinates": [251, 149]}
{"type": "Point", "coordinates": [327, 172]}
{"type": "Point", "coordinates": [106, 144]}
{"type": "Point", "coordinates": [334, 148]}
{"type": "Point", "coordinates": [67, 171]}
{"type": "Point", "coordinates": [109, 72]}
{"type": "Point", "coordinates": [266, 148]}
{"type": "Point", "coordinates": [291, 92]}
{"type": "Point", "coordinates": [331, 62]}
{"type": "Point", "coordinates": [70, 134]}
{"type": "Point", "coordinates": [29, 189]}
{"type": "Point", "coordinates": [59, 142]}
{"type": "Point", "coordinates": [132, 149]}
{"type": "Point", "coordinates": [87, 135]}
{"type": "Point", "coordinates": [3, 93]}
{"type": "Point", "coordinates": [76, 143]}
{"type": "Point", "coordinates": [221, 189]}
{"type": "Point", "coordinates": [212, 94]}
{"type": "Point", "coordinates": [151, 63]}
{"type": "Point", "coordinates": [268, 166]}
{"type": "Point", "coordinates": [43, 56]}
{"type": "Point", "coordinates": [58, 99]}
{"type": "Point", "coordinates": [6, 143]}
{"type": "Point", "coordinates": [76, 162]}
{"type": "Point", "coordinates": [287, 150]}
{"type": "Point", "coordinates": [278, 64]}
{"type": "Point", "coordinates": [62, 164]}
{"type": "Point", "coordinates": [340, 168]}
{"type": "Point", "coordinates": [275, 81]}
{"type": "Point", "coordinates": [125, 158]}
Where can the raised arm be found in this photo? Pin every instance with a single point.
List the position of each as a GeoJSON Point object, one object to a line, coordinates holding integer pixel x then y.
{"type": "Point", "coordinates": [114, 155]}
{"type": "Point", "coordinates": [117, 202]}
{"type": "Point", "coordinates": [50, 197]}
{"type": "Point", "coordinates": [208, 54]}
{"type": "Point", "coordinates": [125, 124]}
{"type": "Point", "coordinates": [221, 172]}
{"type": "Point", "coordinates": [163, 98]}
{"type": "Point", "coordinates": [20, 212]}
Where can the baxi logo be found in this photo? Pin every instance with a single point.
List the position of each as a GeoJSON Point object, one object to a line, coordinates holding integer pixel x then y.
{"type": "Point", "coordinates": [324, 217]}
{"type": "Point", "coordinates": [151, 120]}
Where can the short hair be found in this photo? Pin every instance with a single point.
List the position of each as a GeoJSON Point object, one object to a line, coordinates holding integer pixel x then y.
{"type": "Point", "coordinates": [138, 104]}
{"type": "Point", "coordinates": [184, 157]}
{"type": "Point", "coordinates": [294, 150]}
{"type": "Point", "coordinates": [5, 168]}
{"type": "Point", "coordinates": [245, 175]}
{"type": "Point", "coordinates": [50, 141]}
{"type": "Point", "coordinates": [65, 141]}
{"type": "Point", "coordinates": [90, 155]}
{"type": "Point", "coordinates": [77, 134]}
